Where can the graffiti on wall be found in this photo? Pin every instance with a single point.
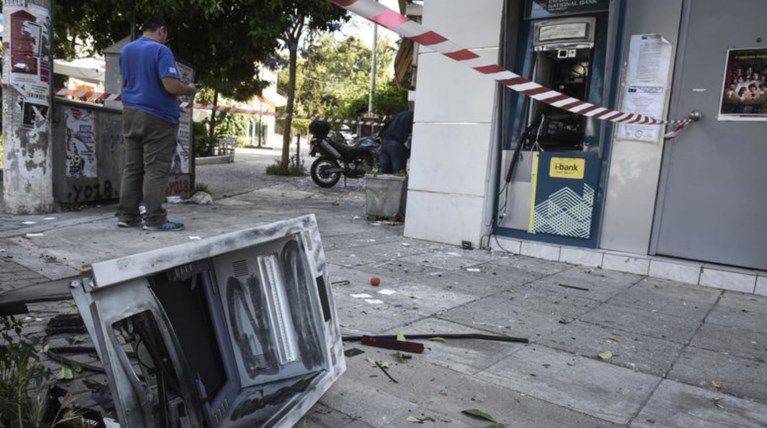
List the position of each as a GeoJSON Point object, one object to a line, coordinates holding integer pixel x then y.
{"type": "Point", "coordinates": [92, 192]}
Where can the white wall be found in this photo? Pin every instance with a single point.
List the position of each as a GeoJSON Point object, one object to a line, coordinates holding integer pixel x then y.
{"type": "Point", "coordinates": [450, 172]}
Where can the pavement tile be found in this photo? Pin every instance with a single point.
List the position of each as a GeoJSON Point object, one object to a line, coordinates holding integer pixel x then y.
{"type": "Point", "coordinates": [369, 254]}
{"type": "Point", "coordinates": [466, 356]}
{"type": "Point", "coordinates": [530, 264]}
{"type": "Point", "coordinates": [443, 392]}
{"type": "Point", "coordinates": [558, 305]}
{"type": "Point", "coordinates": [744, 318]}
{"type": "Point", "coordinates": [592, 387]}
{"type": "Point", "coordinates": [500, 316]}
{"type": "Point", "coordinates": [640, 321]}
{"type": "Point", "coordinates": [633, 351]}
{"type": "Point", "coordinates": [741, 377]}
{"type": "Point", "coordinates": [669, 298]}
{"type": "Point", "coordinates": [449, 258]}
{"type": "Point", "coordinates": [589, 283]}
{"type": "Point", "coordinates": [738, 342]}
{"type": "Point", "coordinates": [397, 269]}
{"type": "Point", "coordinates": [675, 404]}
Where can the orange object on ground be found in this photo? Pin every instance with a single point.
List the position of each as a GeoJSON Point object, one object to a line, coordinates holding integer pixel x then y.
{"type": "Point", "coordinates": [375, 280]}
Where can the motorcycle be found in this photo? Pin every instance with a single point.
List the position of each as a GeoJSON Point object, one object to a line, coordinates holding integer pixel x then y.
{"type": "Point", "coordinates": [335, 158]}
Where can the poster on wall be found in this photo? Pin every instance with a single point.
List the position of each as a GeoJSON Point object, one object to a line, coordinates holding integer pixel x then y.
{"type": "Point", "coordinates": [181, 163]}
{"type": "Point", "coordinates": [745, 84]}
{"type": "Point", "coordinates": [80, 143]}
{"type": "Point", "coordinates": [547, 8]}
{"type": "Point", "coordinates": [647, 78]}
{"type": "Point", "coordinates": [27, 44]}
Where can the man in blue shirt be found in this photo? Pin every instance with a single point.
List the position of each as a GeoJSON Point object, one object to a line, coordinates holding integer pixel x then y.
{"type": "Point", "coordinates": [394, 154]}
{"type": "Point", "coordinates": [150, 125]}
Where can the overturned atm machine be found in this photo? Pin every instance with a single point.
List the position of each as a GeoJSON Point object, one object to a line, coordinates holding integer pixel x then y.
{"type": "Point", "coordinates": [238, 330]}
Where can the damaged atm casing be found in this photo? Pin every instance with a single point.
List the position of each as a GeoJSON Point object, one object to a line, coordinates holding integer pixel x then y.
{"type": "Point", "coordinates": [237, 330]}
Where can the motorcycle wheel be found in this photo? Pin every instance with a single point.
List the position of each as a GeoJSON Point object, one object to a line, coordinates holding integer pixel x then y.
{"type": "Point", "coordinates": [320, 175]}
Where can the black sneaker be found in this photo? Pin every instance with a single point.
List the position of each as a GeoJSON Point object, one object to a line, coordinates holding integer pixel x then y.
{"type": "Point", "coordinates": [133, 222]}
{"type": "Point", "coordinates": [168, 226]}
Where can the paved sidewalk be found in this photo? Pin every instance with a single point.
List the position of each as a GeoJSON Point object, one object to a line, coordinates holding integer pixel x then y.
{"type": "Point", "coordinates": [670, 342]}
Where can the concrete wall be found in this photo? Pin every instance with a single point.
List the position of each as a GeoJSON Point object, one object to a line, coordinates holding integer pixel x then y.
{"type": "Point", "coordinates": [450, 177]}
{"type": "Point", "coordinates": [634, 166]}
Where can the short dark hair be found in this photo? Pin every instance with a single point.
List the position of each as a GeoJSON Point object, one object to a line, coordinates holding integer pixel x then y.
{"type": "Point", "coordinates": [153, 24]}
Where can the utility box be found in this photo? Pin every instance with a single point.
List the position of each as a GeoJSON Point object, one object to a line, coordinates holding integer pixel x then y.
{"type": "Point", "coordinates": [238, 330]}
{"type": "Point", "coordinates": [385, 196]}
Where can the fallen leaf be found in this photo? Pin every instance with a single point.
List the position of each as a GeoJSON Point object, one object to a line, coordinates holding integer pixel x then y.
{"type": "Point", "coordinates": [478, 413]}
{"type": "Point", "coordinates": [716, 384]}
{"type": "Point", "coordinates": [443, 393]}
{"type": "Point", "coordinates": [65, 373]}
{"type": "Point", "coordinates": [372, 361]}
{"type": "Point", "coordinates": [444, 418]}
{"type": "Point", "coordinates": [605, 355]}
{"type": "Point", "coordinates": [385, 364]}
{"type": "Point", "coordinates": [415, 420]}
{"type": "Point", "coordinates": [613, 338]}
{"type": "Point", "coordinates": [402, 358]}
{"type": "Point", "coordinates": [438, 339]}
{"type": "Point", "coordinates": [571, 363]}
{"type": "Point", "coordinates": [73, 310]}
{"type": "Point", "coordinates": [401, 337]}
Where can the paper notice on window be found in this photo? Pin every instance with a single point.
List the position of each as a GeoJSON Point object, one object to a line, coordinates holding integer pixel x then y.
{"type": "Point", "coordinates": [646, 86]}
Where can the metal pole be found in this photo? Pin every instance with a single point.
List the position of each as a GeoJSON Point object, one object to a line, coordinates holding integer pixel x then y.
{"type": "Point", "coordinates": [373, 64]}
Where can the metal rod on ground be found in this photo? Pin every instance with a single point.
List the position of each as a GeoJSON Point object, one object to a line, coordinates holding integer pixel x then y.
{"type": "Point", "coordinates": [445, 336]}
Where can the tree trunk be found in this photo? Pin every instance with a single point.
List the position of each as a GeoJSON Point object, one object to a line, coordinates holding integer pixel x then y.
{"type": "Point", "coordinates": [292, 64]}
{"type": "Point", "coordinates": [212, 127]}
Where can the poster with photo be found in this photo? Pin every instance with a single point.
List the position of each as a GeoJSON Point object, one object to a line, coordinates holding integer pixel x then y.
{"type": "Point", "coordinates": [744, 89]}
{"type": "Point", "coordinates": [81, 143]}
{"type": "Point", "coordinates": [27, 34]}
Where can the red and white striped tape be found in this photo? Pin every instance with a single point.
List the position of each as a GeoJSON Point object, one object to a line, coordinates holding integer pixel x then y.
{"type": "Point", "coordinates": [102, 96]}
{"type": "Point", "coordinates": [381, 15]}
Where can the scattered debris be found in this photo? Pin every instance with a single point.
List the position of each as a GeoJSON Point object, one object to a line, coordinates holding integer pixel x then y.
{"type": "Point", "coordinates": [387, 292]}
{"type": "Point", "coordinates": [374, 301]}
{"type": "Point", "coordinates": [383, 365]}
{"type": "Point", "coordinates": [33, 235]}
{"type": "Point", "coordinates": [28, 222]}
{"type": "Point", "coordinates": [401, 337]}
{"type": "Point", "coordinates": [375, 281]}
{"type": "Point", "coordinates": [716, 384]}
{"type": "Point", "coordinates": [353, 352]}
{"type": "Point", "coordinates": [717, 402]}
{"type": "Point", "coordinates": [342, 282]}
{"type": "Point", "coordinates": [405, 244]}
{"type": "Point", "coordinates": [442, 337]}
{"type": "Point", "coordinates": [466, 245]}
{"type": "Point", "coordinates": [50, 259]}
{"type": "Point", "coordinates": [571, 363]}
{"type": "Point", "coordinates": [613, 338]}
{"type": "Point", "coordinates": [605, 355]}
{"type": "Point", "coordinates": [49, 218]}
{"type": "Point", "coordinates": [194, 238]}
{"type": "Point", "coordinates": [362, 296]}
{"type": "Point", "coordinates": [566, 320]}
{"type": "Point", "coordinates": [397, 345]}
{"type": "Point", "coordinates": [574, 287]}
{"type": "Point", "coordinates": [402, 358]}
{"type": "Point", "coordinates": [473, 270]}
{"type": "Point", "coordinates": [414, 420]}
{"type": "Point", "coordinates": [438, 339]}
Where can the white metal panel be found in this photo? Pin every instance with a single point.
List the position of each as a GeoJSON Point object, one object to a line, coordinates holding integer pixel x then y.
{"type": "Point", "coordinates": [442, 217]}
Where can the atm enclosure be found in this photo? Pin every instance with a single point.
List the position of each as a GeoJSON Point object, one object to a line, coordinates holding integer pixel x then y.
{"type": "Point", "coordinates": [237, 330]}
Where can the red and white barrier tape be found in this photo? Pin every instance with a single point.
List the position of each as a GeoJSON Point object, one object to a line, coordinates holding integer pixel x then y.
{"type": "Point", "coordinates": [101, 97]}
{"type": "Point", "coordinates": [381, 15]}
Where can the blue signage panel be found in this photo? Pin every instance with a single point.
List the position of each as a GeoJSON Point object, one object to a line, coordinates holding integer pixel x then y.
{"type": "Point", "coordinates": [565, 193]}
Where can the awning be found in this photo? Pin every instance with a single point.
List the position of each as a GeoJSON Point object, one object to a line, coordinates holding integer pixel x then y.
{"type": "Point", "coordinates": [92, 69]}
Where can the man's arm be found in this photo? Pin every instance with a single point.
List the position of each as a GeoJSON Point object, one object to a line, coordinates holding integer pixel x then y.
{"type": "Point", "coordinates": [175, 87]}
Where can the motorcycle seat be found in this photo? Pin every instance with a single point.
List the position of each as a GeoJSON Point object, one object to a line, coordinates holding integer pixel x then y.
{"type": "Point", "coordinates": [347, 150]}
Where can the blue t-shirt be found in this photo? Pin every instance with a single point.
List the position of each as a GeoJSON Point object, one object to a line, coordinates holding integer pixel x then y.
{"type": "Point", "coordinates": [143, 65]}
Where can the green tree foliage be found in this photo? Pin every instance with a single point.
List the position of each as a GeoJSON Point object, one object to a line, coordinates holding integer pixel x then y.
{"type": "Point", "coordinates": [302, 17]}
{"type": "Point", "coordinates": [334, 79]}
{"type": "Point", "coordinates": [223, 40]}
